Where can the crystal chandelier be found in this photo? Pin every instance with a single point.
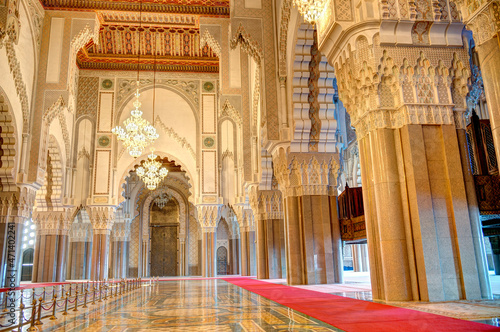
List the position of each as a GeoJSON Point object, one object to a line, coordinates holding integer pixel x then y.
{"type": "Point", "coordinates": [152, 172]}
{"type": "Point", "coordinates": [311, 10]}
{"type": "Point", "coordinates": [162, 200]}
{"type": "Point", "coordinates": [138, 132]}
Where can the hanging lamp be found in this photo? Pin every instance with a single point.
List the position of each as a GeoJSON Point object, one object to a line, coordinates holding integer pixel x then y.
{"type": "Point", "coordinates": [137, 133]}
{"type": "Point", "coordinates": [151, 171]}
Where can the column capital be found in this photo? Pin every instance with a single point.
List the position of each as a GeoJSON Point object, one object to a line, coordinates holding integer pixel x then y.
{"type": "Point", "coordinates": [266, 204]}
{"type": "Point", "coordinates": [392, 87]}
{"type": "Point", "coordinates": [16, 206]}
{"type": "Point", "coordinates": [306, 173]}
{"type": "Point", "coordinates": [482, 17]}
{"type": "Point", "coordinates": [52, 222]}
{"type": "Point", "coordinates": [121, 231]}
{"type": "Point", "coordinates": [102, 218]}
{"type": "Point", "coordinates": [208, 216]}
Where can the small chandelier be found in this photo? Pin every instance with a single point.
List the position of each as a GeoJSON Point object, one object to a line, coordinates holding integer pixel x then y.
{"type": "Point", "coordinates": [311, 10]}
{"type": "Point", "coordinates": [152, 172]}
{"type": "Point", "coordinates": [138, 132]}
{"type": "Point", "coordinates": [162, 200]}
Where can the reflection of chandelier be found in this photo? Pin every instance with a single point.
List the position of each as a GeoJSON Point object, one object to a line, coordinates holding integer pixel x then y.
{"type": "Point", "coordinates": [311, 10]}
{"type": "Point", "coordinates": [138, 132]}
{"type": "Point", "coordinates": [162, 200]}
{"type": "Point", "coordinates": [152, 172]}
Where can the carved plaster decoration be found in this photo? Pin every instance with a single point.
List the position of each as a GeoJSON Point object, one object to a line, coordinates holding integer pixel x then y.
{"type": "Point", "coordinates": [17, 206]}
{"type": "Point", "coordinates": [313, 96]}
{"type": "Point", "coordinates": [404, 86]}
{"type": "Point", "coordinates": [15, 69]}
{"type": "Point", "coordinates": [247, 43]}
{"type": "Point", "coordinates": [270, 205]}
{"type": "Point", "coordinates": [9, 21]}
{"type": "Point", "coordinates": [8, 148]}
{"type": "Point", "coordinates": [53, 222]}
{"type": "Point", "coordinates": [121, 231]}
{"type": "Point", "coordinates": [189, 89]}
{"type": "Point", "coordinates": [256, 101]}
{"type": "Point", "coordinates": [50, 196]}
{"type": "Point", "coordinates": [228, 110]}
{"type": "Point", "coordinates": [176, 137]}
{"type": "Point", "coordinates": [79, 41]}
{"type": "Point", "coordinates": [207, 39]}
{"type": "Point", "coordinates": [482, 17]}
{"type": "Point", "coordinates": [37, 13]}
{"type": "Point", "coordinates": [81, 232]}
{"type": "Point", "coordinates": [286, 6]}
{"type": "Point", "coordinates": [57, 110]}
{"type": "Point", "coordinates": [83, 153]}
{"type": "Point", "coordinates": [301, 174]}
{"type": "Point", "coordinates": [102, 218]}
{"type": "Point", "coordinates": [208, 216]}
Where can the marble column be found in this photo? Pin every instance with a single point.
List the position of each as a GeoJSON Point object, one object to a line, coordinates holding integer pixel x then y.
{"type": "Point", "coordinates": [100, 247]}
{"type": "Point", "coordinates": [270, 235]}
{"type": "Point", "coordinates": [50, 256]}
{"type": "Point", "coordinates": [313, 244]}
{"type": "Point", "coordinates": [120, 249]}
{"type": "Point", "coordinates": [247, 240]}
{"type": "Point", "coordinates": [208, 216]}
{"type": "Point", "coordinates": [10, 247]}
{"type": "Point", "coordinates": [102, 219]}
{"type": "Point", "coordinates": [208, 252]}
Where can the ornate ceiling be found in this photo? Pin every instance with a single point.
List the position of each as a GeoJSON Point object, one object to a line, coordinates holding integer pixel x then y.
{"type": "Point", "coordinates": [167, 28]}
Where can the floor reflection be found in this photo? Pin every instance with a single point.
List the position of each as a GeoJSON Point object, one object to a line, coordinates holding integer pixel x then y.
{"type": "Point", "coordinates": [193, 305]}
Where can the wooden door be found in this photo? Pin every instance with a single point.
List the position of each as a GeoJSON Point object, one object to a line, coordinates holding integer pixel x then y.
{"type": "Point", "coordinates": [163, 251]}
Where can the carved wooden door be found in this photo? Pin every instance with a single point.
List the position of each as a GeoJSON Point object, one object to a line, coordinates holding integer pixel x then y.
{"type": "Point", "coordinates": [163, 251]}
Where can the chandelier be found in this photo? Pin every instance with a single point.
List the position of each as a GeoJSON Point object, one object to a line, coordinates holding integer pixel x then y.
{"type": "Point", "coordinates": [162, 200]}
{"type": "Point", "coordinates": [138, 132]}
{"type": "Point", "coordinates": [152, 172]}
{"type": "Point", "coordinates": [311, 10]}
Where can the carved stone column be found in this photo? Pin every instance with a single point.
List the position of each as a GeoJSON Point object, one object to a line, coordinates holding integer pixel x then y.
{"type": "Point", "coordinates": [247, 240]}
{"type": "Point", "coordinates": [483, 18]}
{"type": "Point", "coordinates": [208, 215]}
{"type": "Point", "coordinates": [423, 232]}
{"type": "Point", "coordinates": [102, 219]}
{"type": "Point", "coordinates": [80, 251]}
{"type": "Point", "coordinates": [270, 233]}
{"type": "Point", "coordinates": [15, 208]}
{"type": "Point", "coordinates": [313, 245]}
{"type": "Point", "coordinates": [52, 228]}
{"type": "Point", "coordinates": [120, 249]}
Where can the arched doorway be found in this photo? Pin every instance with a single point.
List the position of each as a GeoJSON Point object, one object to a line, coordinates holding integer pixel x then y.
{"type": "Point", "coordinates": [164, 234]}
{"type": "Point", "coordinates": [221, 261]}
{"type": "Point", "coordinates": [27, 264]}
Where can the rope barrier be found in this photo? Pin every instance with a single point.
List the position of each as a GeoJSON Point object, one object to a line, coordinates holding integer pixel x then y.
{"type": "Point", "coordinates": [76, 295]}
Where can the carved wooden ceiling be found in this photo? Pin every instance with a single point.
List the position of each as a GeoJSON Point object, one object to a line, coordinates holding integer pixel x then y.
{"type": "Point", "coordinates": [168, 29]}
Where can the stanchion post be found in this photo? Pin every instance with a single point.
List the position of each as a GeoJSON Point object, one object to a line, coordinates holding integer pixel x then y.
{"type": "Point", "coordinates": [39, 318]}
{"type": "Point", "coordinates": [76, 300]}
{"type": "Point", "coordinates": [85, 299]}
{"type": "Point", "coordinates": [5, 304]}
{"type": "Point", "coordinates": [65, 305]}
{"type": "Point", "coordinates": [20, 326]}
{"type": "Point", "coordinates": [100, 293]}
{"type": "Point", "coordinates": [32, 327]}
{"type": "Point", "coordinates": [54, 303]}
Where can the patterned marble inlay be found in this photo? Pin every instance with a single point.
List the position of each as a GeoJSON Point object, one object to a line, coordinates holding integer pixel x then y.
{"type": "Point", "coordinates": [192, 305]}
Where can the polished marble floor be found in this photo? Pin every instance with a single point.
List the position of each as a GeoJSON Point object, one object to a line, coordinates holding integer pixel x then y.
{"type": "Point", "coordinates": [190, 305]}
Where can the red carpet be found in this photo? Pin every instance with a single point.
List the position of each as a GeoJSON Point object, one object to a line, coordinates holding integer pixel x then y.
{"type": "Point", "coordinates": [356, 315]}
